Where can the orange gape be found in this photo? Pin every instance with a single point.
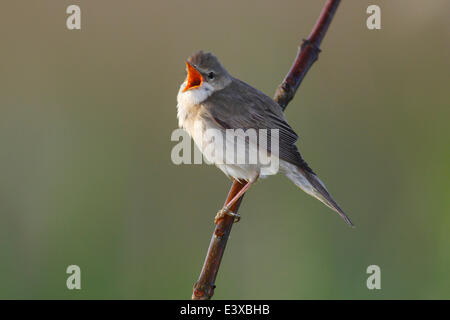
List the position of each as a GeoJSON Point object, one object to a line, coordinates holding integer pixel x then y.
{"type": "Point", "coordinates": [194, 79]}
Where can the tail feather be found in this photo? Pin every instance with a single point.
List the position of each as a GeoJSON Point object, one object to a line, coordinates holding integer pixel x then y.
{"type": "Point", "coordinates": [312, 185]}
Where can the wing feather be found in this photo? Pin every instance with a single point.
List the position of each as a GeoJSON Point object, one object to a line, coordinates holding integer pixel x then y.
{"type": "Point", "coordinates": [240, 106]}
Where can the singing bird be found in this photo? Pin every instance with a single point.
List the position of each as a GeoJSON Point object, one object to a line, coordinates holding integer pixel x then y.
{"type": "Point", "coordinates": [210, 98]}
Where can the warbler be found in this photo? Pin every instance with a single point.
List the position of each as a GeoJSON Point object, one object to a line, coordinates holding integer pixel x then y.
{"type": "Point", "coordinates": [211, 99]}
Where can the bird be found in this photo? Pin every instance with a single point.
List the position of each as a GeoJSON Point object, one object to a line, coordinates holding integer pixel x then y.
{"type": "Point", "coordinates": [211, 99]}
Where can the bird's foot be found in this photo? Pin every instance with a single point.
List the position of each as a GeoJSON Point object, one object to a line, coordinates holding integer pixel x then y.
{"type": "Point", "coordinates": [226, 212]}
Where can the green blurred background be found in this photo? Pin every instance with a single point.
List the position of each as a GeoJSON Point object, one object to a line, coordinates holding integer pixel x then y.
{"type": "Point", "coordinates": [86, 176]}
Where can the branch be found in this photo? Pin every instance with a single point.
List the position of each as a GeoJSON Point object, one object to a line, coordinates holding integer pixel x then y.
{"type": "Point", "coordinates": [307, 54]}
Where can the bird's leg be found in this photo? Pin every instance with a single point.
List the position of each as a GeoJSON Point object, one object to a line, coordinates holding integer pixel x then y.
{"type": "Point", "coordinates": [226, 209]}
{"type": "Point", "coordinates": [238, 196]}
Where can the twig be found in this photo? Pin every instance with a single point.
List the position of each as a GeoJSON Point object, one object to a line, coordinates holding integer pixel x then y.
{"type": "Point", "coordinates": [307, 54]}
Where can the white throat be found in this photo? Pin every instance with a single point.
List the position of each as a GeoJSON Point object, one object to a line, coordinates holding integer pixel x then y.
{"type": "Point", "coordinates": [189, 99]}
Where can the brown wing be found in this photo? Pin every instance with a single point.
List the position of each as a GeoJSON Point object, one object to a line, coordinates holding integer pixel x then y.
{"type": "Point", "coordinates": [240, 106]}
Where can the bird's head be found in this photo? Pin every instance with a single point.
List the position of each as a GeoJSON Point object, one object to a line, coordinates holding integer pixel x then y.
{"type": "Point", "coordinates": [204, 72]}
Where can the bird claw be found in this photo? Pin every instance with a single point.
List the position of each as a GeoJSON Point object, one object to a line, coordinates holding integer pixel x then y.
{"type": "Point", "coordinates": [226, 212]}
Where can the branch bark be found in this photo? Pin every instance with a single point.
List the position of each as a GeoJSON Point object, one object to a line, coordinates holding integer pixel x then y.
{"type": "Point", "coordinates": [307, 54]}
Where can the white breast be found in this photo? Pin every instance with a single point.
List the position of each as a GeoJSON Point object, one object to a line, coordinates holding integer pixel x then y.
{"type": "Point", "coordinates": [189, 100]}
{"type": "Point", "coordinates": [188, 113]}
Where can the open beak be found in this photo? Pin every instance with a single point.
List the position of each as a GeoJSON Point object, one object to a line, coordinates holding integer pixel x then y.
{"type": "Point", "coordinates": [194, 78]}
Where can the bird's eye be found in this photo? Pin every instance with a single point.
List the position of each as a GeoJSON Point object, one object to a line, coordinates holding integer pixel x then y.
{"type": "Point", "coordinates": [211, 75]}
